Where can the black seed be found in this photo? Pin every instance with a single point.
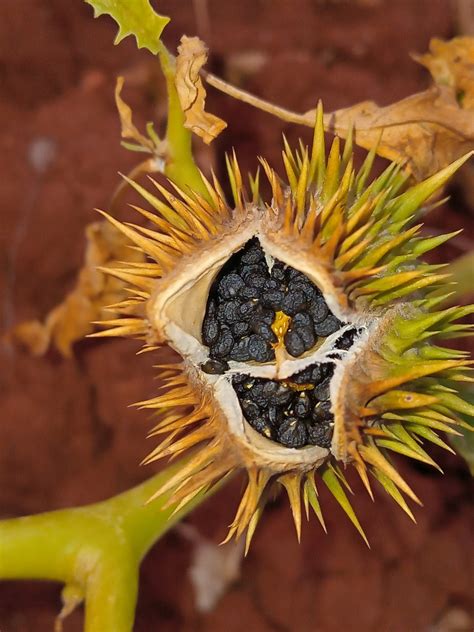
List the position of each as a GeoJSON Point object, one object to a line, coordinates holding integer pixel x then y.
{"type": "Point", "coordinates": [273, 299]}
{"type": "Point", "coordinates": [275, 416]}
{"type": "Point", "coordinates": [317, 373]}
{"type": "Point", "coordinates": [320, 434]}
{"type": "Point", "coordinates": [271, 284]}
{"type": "Point", "coordinates": [241, 329]}
{"type": "Point", "coordinates": [293, 274]}
{"type": "Point", "coordinates": [303, 377]}
{"type": "Point", "coordinates": [278, 272]}
{"type": "Point", "coordinates": [302, 406]}
{"type": "Point", "coordinates": [282, 395]}
{"type": "Point", "coordinates": [240, 352]}
{"type": "Point", "coordinates": [294, 344]}
{"type": "Point", "coordinates": [308, 288]}
{"type": "Point", "coordinates": [223, 345]}
{"type": "Point", "coordinates": [229, 285]}
{"type": "Point", "coordinates": [307, 336]}
{"type": "Point", "coordinates": [247, 309]}
{"type": "Point", "coordinates": [257, 395]}
{"type": "Point", "coordinates": [257, 281]}
{"type": "Point", "coordinates": [321, 390]}
{"type": "Point", "coordinates": [210, 330]}
{"type": "Point", "coordinates": [270, 388]}
{"type": "Point", "coordinates": [292, 433]}
{"type": "Point", "coordinates": [253, 254]}
{"type": "Point", "coordinates": [301, 319]}
{"type": "Point", "coordinates": [249, 271]}
{"type": "Point", "coordinates": [265, 315]}
{"type": "Point", "coordinates": [328, 369]}
{"type": "Point", "coordinates": [229, 311]}
{"type": "Point", "coordinates": [250, 292]}
{"type": "Point", "coordinates": [259, 349]}
{"type": "Point", "coordinates": [318, 310]}
{"type": "Point", "coordinates": [263, 330]}
{"type": "Point", "coordinates": [325, 411]}
{"type": "Point", "coordinates": [250, 408]}
{"type": "Point", "coordinates": [293, 302]}
{"type": "Point", "coordinates": [214, 367]}
{"type": "Point", "coordinates": [321, 413]}
{"type": "Point", "coordinates": [239, 378]}
{"type": "Point", "coordinates": [328, 326]}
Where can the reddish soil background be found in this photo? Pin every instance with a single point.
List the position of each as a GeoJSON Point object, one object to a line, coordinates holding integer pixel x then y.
{"type": "Point", "coordinates": [66, 434]}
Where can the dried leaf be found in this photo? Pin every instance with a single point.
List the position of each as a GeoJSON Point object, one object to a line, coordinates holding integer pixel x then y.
{"type": "Point", "coordinates": [192, 95]}
{"type": "Point", "coordinates": [72, 319]}
{"type": "Point", "coordinates": [452, 64]}
{"type": "Point", "coordinates": [128, 128]}
{"type": "Point", "coordinates": [427, 130]}
{"type": "Point", "coordinates": [134, 17]}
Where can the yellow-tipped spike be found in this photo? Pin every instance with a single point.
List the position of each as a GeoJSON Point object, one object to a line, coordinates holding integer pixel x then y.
{"type": "Point", "coordinates": [334, 486]}
{"type": "Point", "coordinates": [301, 190]}
{"type": "Point", "coordinates": [332, 178]}
{"type": "Point", "coordinates": [374, 457]}
{"type": "Point", "coordinates": [410, 201]}
{"type": "Point", "coordinates": [392, 490]}
{"type": "Point", "coordinates": [251, 528]}
{"type": "Point", "coordinates": [292, 484]}
{"type": "Point", "coordinates": [148, 246]}
{"type": "Point", "coordinates": [317, 165]}
{"type": "Point", "coordinates": [311, 497]}
{"type": "Point", "coordinates": [291, 175]}
{"type": "Point", "coordinates": [171, 216]}
{"type": "Point", "coordinates": [429, 435]}
{"type": "Point", "coordinates": [403, 443]}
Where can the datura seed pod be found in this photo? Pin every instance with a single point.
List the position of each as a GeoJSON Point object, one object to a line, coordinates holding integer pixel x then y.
{"type": "Point", "coordinates": [309, 330]}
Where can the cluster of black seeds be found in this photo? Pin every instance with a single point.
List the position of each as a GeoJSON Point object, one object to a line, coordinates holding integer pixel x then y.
{"type": "Point", "coordinates": [242, 305]}
{"type": "Point", "coordinates": [295, 412]}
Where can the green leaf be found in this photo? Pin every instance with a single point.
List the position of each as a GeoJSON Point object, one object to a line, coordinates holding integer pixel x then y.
{"type": "Point", "coordinates": [134, 17]}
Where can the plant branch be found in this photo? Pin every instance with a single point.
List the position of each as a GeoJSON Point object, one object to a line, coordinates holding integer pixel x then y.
{"type": "Point", "coordinates": [307, 118]}
{"type": "Point", "coordinates": [97, 548]}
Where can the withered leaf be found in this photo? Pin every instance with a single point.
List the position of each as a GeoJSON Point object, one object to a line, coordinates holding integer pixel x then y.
{"type": "Point", "coordinates": [72, 319]}
{"type": "Point", "coordinates": [192, 55]}
{"type": "Point", "coordinates": [425, 131]}
{"type": "Point", "coordinates": [151, 144]}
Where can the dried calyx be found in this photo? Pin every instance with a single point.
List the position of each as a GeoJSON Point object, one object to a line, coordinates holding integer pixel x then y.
{"type": "Point", "coordinates": [310, 331]}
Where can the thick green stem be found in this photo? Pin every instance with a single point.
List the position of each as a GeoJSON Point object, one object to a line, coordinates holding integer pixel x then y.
{"type": "Point", "coordinates": [97, 548]}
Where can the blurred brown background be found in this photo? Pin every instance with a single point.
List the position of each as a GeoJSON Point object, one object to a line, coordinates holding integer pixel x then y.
{"type": "Point", "coordinates": [66, 434]}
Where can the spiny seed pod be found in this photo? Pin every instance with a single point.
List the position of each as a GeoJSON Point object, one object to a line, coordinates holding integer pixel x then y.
{"type": "Point", "coordinates": [307, 325]}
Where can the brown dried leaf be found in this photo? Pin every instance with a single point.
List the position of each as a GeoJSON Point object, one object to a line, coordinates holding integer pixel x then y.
{"type": "Point", "coordinates": [427, 130]}
{"type": "Point", "coordinates": [153, 144]}
{"type": "Point", "coordinates": [72, 319]}
{"type": "Point", "coordinates": [192, 55]}
{"type": "Point", "coordinates": [452, 64]}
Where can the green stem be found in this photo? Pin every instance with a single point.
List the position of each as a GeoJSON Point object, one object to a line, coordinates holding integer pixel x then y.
{"type": "Point", "coordinates": [97, 548]}
{"type": "Point", "coordinates": [180, 165]}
